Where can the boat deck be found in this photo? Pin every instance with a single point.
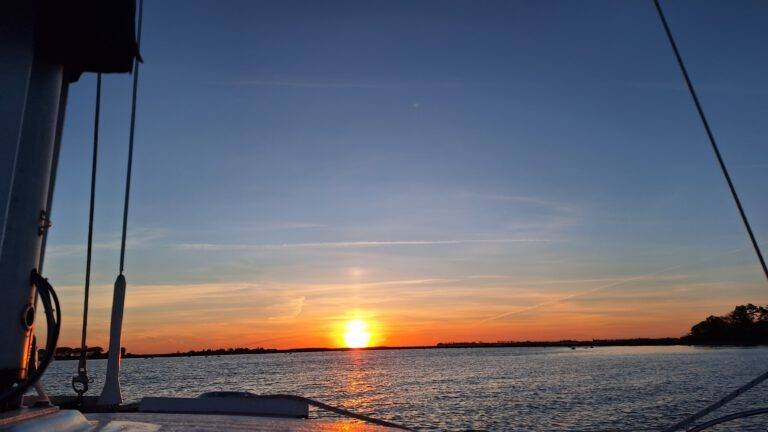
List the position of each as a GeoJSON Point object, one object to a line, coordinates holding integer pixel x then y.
{"type": "Point", "coordinates": [162, 422]}
{"type": "Point", "coordinates": [203, 414]}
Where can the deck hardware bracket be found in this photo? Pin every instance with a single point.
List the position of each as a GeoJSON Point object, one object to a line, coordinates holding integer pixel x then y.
{"type": "Point", "coordinates": [45, 223]}
{"type": "Point", "coordinates": [28, 316]}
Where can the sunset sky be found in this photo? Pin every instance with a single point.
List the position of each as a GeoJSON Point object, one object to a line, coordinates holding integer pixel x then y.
{"type": "Point", "coordinates": [442, 171]}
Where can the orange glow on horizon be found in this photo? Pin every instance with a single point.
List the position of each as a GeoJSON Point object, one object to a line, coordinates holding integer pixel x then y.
{"type": "Point", "coordinates": [171, 318]}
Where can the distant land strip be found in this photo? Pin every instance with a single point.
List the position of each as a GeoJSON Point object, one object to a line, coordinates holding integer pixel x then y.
{"type": "Point", "coordinates": [96, 353]}
{"type": "Point", "coordinates": [746, 325]}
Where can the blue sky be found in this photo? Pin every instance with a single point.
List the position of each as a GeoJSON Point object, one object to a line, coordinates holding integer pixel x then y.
{"type": "Point", "coordinates": [446, 170]}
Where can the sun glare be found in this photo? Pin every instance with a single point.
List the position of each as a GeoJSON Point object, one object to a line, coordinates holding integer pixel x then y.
{"type": "Point", "coordinates": [357, 335]}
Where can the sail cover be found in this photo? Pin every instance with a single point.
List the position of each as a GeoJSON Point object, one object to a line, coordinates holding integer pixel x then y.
{"type": "Point", "coordinates": [88, 35]}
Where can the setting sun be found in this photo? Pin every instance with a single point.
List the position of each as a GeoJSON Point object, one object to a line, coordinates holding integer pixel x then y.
{"type": "Point", "coordinates": [356, 335]}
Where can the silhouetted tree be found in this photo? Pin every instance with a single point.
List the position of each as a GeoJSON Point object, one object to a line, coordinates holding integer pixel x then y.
{"type": "Point", "coordinates": [745, 325]}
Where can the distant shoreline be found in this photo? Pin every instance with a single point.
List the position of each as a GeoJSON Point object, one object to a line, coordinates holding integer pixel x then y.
{"type": "Point", "coordinates": [746, 325]}
{"type": "Point", "coordinates": [669, 341]}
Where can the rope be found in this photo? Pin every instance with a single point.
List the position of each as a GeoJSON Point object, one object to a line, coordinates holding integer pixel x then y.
{"type": "Point", "coordinates": [136, 62]}
{"type": "Point", "coordinates": [52, 310]}
{"type": "Point", "coordinates": [744, 219]}
{"type": "Point", "coordinates": [80, 382]}
{"type": "Point", "coordinates": [337, 410]}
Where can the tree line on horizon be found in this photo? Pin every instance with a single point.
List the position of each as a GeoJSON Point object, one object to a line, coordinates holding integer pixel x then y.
{"type": "Point", "coordinates": [97, 352]}
{"type": "Point", "coordinates": [67, 353]}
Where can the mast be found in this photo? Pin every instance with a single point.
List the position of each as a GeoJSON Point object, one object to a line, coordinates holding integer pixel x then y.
{"type": "Point", "coordinates": [45, 45]}
{"type": "Point", "coordinates": [29, 115]}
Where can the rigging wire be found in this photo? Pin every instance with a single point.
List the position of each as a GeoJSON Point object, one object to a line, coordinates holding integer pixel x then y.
{"type": "Point", "coordinates": [729, 397]}
{"type": "Point", "coordinates": [739, 391]}
{"type": "Point", "coordinates": [727, 418]}
{"type": "Point", "coordinates": [81, 380]}
{"type": "Point", "coordinates": [129, 169]}
{"type": "Point", "coordinates": [711, 137]}
{"type": "Point", "coordinates": [110, 394]}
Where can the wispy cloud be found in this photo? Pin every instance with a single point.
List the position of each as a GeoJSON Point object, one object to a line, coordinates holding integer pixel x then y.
{"type": "Point", "coordinates": [487, 276]}
{"type": "Point", "coordinates": [316, 288]}
{"type": "Point", "coordinates": [216, 247]}
{"type": "Point", "coordinates": [722, 87]}
{"type": "Point", "coordinates": [281, 225]}
{"type": "Point", "coordinates": [137, 238]}
{"type": "Point", "coordinates": [519, 199]}
{"type": "Point", "coordinates": [292, 310]}
{"type": "Point", "coordinates": [303, 83]}
{"type": "Point", "coordinates": [320, 84]}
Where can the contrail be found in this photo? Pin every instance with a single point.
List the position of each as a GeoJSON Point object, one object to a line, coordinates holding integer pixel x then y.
{"type": "Point", "coordinates": [604, 287]}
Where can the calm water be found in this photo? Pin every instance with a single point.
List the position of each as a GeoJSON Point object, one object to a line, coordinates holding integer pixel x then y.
{"type": "Point", "coordinates": [520, 389]}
